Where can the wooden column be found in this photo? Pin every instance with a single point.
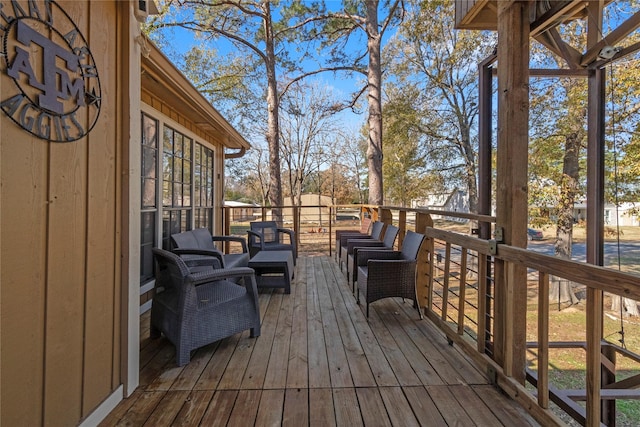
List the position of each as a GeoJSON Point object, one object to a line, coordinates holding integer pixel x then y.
{"type": "Point", "coordinates": [424, 271]}
{"type": "Point", "coordinates": [385, 215]}
{"type": "Point", "coordinates": [511, 198]}
{"type": "Point", "coordinates": [485, 130]}
{"type": "Point", "coordinates": [485, 107]}
{"type": "Point", "coordinates": [595, 217]}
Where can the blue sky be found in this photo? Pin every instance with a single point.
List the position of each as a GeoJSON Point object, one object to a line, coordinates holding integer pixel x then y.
{"type": "Point", "coordinates": [182, 40]}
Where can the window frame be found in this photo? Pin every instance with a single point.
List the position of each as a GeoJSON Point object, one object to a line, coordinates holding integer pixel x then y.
{"type": "Point", "coordinates": [163, 123]}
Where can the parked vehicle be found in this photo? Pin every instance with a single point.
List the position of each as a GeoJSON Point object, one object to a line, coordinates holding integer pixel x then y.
{"type": "Point", "coordinates": [534, 234]}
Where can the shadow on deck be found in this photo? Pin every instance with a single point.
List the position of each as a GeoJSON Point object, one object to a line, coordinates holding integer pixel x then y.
{"type": "Point", "coordinates": [318, 362]}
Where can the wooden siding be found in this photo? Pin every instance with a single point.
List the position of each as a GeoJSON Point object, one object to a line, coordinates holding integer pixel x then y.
{"type": "Point", "coordinates": [60, 250]}
{"type": "Point", "coordinates": [318, 362]}
{"type": "Point", "coordinates": [168, 111]}
{"type": "Point", "coordinates": [476, 15]}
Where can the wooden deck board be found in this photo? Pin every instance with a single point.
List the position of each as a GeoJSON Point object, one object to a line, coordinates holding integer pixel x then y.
{"type": "Point", "coordinates": [321, 410]}
{"type": "Point", "coordinates": [167, 409]}
{"type": "Point", "coordinates": [277, 370]}
{"type": "Point", "coordinates": [423, 407]}
{"type": "Point", "coordinates": [256, 369]}
{"type": "Point", "coordinates": [336, 354]}
{"type": "Point", "coordinates": [220, 408]}
{"type": "Point", "coordinates": [245, 410]}
{"type": "Point", "coordinates": [270, 408]}
{"type": "Point", "coordinates": [193, 409]}
{"type": "Point", "coordinates": [318, 358]}
{"type": "Point", "coordinates": [398, 407]}
{"type": "Point", "coordinates": [345, 402]}
{"type": "Point", "coordinates": [379, 365]}
{"type": "Point", "coordinates": [318, 362]}
{"type": "Point", "coordinates": [298, 371]}
{"type": "Point", "coordinates": [372, 407]}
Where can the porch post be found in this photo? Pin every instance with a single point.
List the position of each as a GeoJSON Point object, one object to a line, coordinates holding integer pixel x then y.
{"type": "Point", "coordinates": [485, 108]}
{"type": "Point", "coordinates": [511, 197]}
{"type": "Point", "coordinates": [595, 220]}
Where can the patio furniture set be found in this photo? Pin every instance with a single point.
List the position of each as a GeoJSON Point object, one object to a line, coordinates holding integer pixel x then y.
{"type": "Point", "coordinates": [203, 295]}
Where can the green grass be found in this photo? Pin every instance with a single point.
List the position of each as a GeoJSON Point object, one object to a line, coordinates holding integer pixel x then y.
{"type": "Point", "coordinates": [567, 366]}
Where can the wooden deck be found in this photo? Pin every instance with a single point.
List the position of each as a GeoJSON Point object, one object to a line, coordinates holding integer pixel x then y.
{"type": "Point", "coordinates": [318, 362]}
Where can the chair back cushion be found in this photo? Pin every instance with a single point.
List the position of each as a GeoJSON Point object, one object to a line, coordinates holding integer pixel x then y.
{"type": "Point", "coordinates": [184, 240]}
{"type": "Point", "coordinates": [203, 237]}
{"type": "Point", "coordinates": [376, 229]}
{"type": "Point", "coordinates": [268, 230]}
{"type": "Point", "coordinates": [390, 236]}
{"type": "Point", "coordinates": [200, 238]}
{"type": "Point", "coordinates": [411, 245]}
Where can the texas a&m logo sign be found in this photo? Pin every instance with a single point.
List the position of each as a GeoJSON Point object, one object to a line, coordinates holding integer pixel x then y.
{"type": "Point", "coordinates": [47, 67]}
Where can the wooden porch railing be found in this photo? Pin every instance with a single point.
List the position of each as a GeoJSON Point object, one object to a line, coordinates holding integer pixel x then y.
{"type": "Point", "coordinates": [463, 282]}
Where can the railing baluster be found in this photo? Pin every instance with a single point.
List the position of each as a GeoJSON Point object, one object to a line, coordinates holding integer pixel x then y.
{"type": "Point", "coordinates": [482, 302]}
{"type": "Point", "coordinates": [445, 289]}
{"type": "Point", "coordinates": [594, 336]}
{"type": "Point", "coordinates": [543, 340]}
{"type": "Point", "coordinates": [463, 286]}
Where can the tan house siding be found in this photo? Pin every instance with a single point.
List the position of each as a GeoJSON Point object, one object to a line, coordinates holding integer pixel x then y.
{"type": "Point", "coordinates": [60, 249]}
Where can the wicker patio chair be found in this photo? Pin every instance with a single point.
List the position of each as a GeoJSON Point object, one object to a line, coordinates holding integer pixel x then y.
{"type": "Point", "coordinates": [365, 225]}
{"type": "Point", "coordinates": [355, 245]}
{"type": "Point", "coordinates": [267, 236]}
{"type": "Point", "coordinates": [377, 227]}
{"type": "Point", "coordinates": [196, 309]}
{"type": "Point", "coordinates": [201, 238]}
{"type": "Point", "coordinates": [384, 274]}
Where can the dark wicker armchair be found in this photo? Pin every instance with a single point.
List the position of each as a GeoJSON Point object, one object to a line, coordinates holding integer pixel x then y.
{"type": "Point", "coordinates": [376, 234]}
{"type": "Point", "coordinates": [201, 238]}
{"type": "Point", "coordinates": [384, 274]}
{"type": "Point", "coordinates": [354, 245]}
{"type": "Point", "coordinates": [196, 309]}
{"type": "Point", "coordinates": [365, 225]}
{"type": "Point", "coordinates": [267, 236]}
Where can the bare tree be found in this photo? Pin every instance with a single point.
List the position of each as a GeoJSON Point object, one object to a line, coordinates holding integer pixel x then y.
{"type": "Point", "coordinates": [308, 120]}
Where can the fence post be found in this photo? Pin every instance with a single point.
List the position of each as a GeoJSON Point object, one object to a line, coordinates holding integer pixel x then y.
{"type": "Point", "coordinates": [424, 268]}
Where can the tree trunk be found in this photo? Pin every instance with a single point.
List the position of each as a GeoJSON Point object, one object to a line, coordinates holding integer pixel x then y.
{"type": "Point", "coordinates": [564, 226]}
{"type": "Point", "coordinates": [470, 160]}
{"type": "Point", "coordinates": [273, 107]}
{"type": "Point", "coordinates": [374, 78]}
{"type": "Point", "coordinates": [629, 306]}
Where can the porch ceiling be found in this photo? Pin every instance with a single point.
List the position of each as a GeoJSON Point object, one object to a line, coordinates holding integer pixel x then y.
{"type": "Point", "coordinates": [482, 14]}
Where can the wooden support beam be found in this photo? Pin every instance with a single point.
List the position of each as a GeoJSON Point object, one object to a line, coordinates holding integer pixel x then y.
{"type": "Point", "coordinates": [551, 17]}
{"type": "Point", "coordinates": [631, 382]}
{"type": "Point", "coordinates": [609, 394]}
{"type": "Point", "coordinates": [613, 38]}
{"type": "Point", "coordinates": [512, 179]}
{"type": "Point", "coordinates": [552, 40]}
{"type": "Point", "coordinates": [595, 214]}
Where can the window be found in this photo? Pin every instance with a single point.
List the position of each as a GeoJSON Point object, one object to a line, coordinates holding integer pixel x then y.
{"type": "Point", "coordinates": [203, 187]}
{"type": "Point", "coordinates": [177, 183]}
{"type": "Point", "coordinates": [149, 207]}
